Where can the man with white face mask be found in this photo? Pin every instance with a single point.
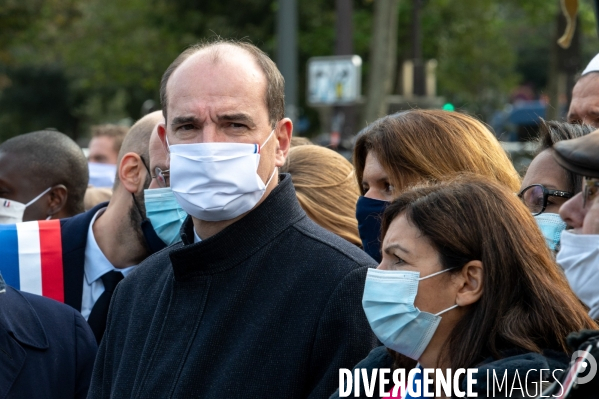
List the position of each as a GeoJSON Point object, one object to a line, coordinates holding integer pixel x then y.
{"type": "Point", "coordinates": [43, 175]}
{"type": "Point", "coordinates": [257, 300]}
{"type": "Point", "coordinates": [104, 148]}
{"type": "Point", "coordinates": [579, 254]}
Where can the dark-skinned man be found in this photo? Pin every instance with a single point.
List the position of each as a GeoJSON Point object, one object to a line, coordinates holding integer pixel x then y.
{"type": "Point", "coordinates": [43, 175]}
{"type": "Point", "coordinates": [79, 260]}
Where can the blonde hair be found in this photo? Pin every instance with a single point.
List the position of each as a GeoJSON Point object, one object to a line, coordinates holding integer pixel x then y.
{"type": "Point", "coordinates": [325, 188]}
{"type": "Point", "coordinates": [430, 145]}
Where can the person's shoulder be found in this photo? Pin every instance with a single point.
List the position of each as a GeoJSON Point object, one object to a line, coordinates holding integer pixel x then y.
{"type": "Point", "coordinates": [74, 225]}
{"type": "Point", "coordinates": [48, 309]}
{"type": "Point", "coordinates": [379, 357]}
{"type": "Point", "coordinates": [40, 319]}
{"type": "Point", "coordinates": [330, 246]}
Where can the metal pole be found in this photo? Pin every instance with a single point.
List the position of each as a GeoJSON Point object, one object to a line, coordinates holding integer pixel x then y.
{"type": "Point", "coordinates": [344, 117]}
{"type": "Point", "coordinates": [287, 54]}
{"type": "Point", "coordinates": [419, 79]}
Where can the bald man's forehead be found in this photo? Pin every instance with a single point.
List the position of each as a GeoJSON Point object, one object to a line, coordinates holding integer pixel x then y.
{"type": "Point", "coordinates": [222, 53]}
{"type": "Point", "coordinates": [584, 107]}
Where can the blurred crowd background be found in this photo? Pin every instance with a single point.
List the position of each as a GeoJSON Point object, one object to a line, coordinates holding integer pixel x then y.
{"type": "Point", "coordinates": [71, 64]}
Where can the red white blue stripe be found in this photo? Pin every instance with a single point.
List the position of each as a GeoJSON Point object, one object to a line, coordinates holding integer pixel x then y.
{"type": "Point", "coordinates": [31, 257]}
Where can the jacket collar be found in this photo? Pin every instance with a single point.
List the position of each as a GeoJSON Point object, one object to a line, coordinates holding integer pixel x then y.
{"type": "Point", "coordinates": [20, 320]}
{"type": "Point", "coordinates": [239, 240]}
{"type": "Point", "coordinates": [74, 239]}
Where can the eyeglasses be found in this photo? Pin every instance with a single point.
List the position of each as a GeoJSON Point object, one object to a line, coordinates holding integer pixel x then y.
{"type": "Point", "coordinates": [535, 197]}
{"type": "Point", "coordinates": [161, 176]}
{"type": "Point", "coordinates": [591, 186]}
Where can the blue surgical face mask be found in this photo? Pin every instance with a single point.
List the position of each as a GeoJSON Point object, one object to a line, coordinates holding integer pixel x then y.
{"type": "Point", "coordinates": [551, 225]}
{"type": "Point", "coordinates": [165, 214]}
{"type": "Point", "coordinates": [369, 213]}
{"type": "Point", "coordinates": [388, 302]}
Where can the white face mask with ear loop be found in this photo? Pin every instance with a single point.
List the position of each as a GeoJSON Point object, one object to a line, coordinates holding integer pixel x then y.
{"type": "Point", "coordinates": [11, 212]}
{"type": "Point", "coordinates": [217, 181]}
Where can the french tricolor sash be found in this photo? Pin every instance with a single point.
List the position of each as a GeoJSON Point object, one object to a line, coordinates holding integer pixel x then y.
{"type": "Point", "coordinates": [31, 257]}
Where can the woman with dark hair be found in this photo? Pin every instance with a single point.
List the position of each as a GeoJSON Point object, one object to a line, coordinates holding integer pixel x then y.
{"type": "Point", "coordinates": [399, 150]}
{"type": "Point", "coordinates": [546, 185]}
{"type": "Point", "coordinates": [467, 282]}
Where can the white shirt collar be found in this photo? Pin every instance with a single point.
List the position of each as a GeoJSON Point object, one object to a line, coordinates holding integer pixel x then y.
{"type": "Point", "coordinates": [196, 237]}
{"type": "Point", "coordinates": [96, 264]}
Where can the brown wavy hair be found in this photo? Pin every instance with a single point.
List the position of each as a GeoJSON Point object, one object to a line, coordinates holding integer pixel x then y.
{"type": "Point", "coordinates": [526, 301]}
{"type": "Point", "coordinates": [429, 145]}
{"type": "Point", "coordinates": [325, 188]}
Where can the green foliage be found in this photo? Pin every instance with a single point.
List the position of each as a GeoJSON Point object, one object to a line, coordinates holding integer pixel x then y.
{"type": "Point", "coordinates": [71, 63]}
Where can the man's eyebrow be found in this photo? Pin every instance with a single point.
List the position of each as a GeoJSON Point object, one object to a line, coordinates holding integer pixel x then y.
{"type": "Point", "coordinates": [240, 118]}
{"type": "Point", "coordinates": [182, 120]}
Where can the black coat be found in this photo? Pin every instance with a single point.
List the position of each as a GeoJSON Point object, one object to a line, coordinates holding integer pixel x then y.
{"type": "Point", "coordinates": [270, 307]}
{"type": "Point", "coordinates": [73, 232]}
{"type": "Point", "coordinates": [47, 350]}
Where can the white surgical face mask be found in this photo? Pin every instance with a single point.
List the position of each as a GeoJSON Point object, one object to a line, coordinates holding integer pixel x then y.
{"type": "Point", "coordinates": [11, 212]}
{"type": "Point", "coordinates": [579, 257]}
{"type": "Point", "coordinates": [217, 181]}
{"type": "Point", "coordinates": [101, 174]}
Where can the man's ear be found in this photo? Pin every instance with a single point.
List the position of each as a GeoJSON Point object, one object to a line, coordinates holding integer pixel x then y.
{"type": "Point", "coordinates": [161, 128]}
{"type": "Point", "coordinates": [283, 132]}
{"type": "Point", "coordinates": [132, 173]}
{"type": "Point", "coordinates": [57, 199]}
{"type": "Point", "coordinates": [471, 283]}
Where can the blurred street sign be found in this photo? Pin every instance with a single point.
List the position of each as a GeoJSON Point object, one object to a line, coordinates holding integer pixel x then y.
{"type": "Point", "coordinates": [334, 81]}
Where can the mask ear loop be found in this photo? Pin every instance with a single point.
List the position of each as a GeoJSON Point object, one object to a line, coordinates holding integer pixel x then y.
{"type": "Point", "coordinates": [38, 197]}
{"type": "Point", "coordinates": [270, 178]}
{"type": "Point", "coordinates": [137, 206]}
{"type": "Point", "coordinates": [265, 141]}
{"type": "Point", "coordinates": [259, 148]}
{"type": "Point", "coordinates": [437, 273]}
{"type": "Point", "coordinates": [447, 310]}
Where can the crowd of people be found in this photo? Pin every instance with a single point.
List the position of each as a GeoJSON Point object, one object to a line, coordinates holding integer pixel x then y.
{"type": "Point", "coordinates": [205, 252]}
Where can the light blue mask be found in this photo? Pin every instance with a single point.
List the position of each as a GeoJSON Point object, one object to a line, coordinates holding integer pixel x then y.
{"type": "Point", "coordinates": [388, 302]}
{"type": "Point", "coordinates": [164, 213]}
{"type": "Point", "coordinates": [551, 226]}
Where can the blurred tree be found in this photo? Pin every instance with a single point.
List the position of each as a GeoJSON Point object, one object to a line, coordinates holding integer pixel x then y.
{"type": "Point", "coordinates": [383, 50]}
{"type": "Point", "coordinates": [101, 59]}
{"type": "Point", "coordinates": [36, 98]}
